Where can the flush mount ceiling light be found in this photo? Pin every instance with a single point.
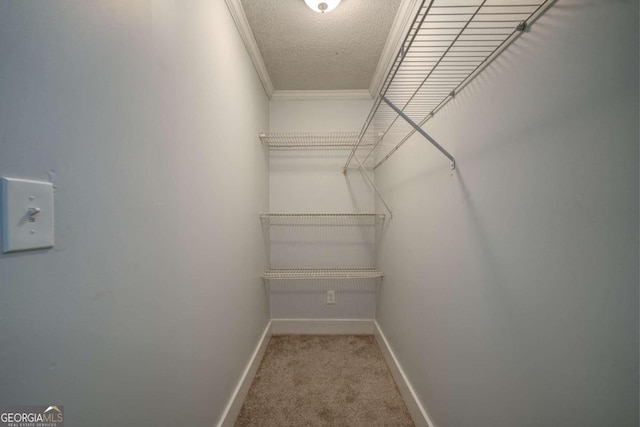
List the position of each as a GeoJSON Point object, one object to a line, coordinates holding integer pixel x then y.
{"type": "Point", "coordinates": [322, 6]}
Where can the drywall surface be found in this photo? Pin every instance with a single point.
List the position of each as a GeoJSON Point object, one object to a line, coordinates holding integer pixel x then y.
{"type": "Point", "coordinates": [511, 284]}
{"type": "Point", "coordinates": [145, 115]}
{"type": "Point", "coordinates": [312, 181]}
{"type": "Point", "coordinates": [318, 115]}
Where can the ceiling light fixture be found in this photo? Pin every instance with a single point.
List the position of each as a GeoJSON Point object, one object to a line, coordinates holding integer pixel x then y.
{"type": "Point", "coordinates": [322, 6]}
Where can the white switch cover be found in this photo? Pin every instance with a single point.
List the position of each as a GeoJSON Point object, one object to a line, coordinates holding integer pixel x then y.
{"type": "Point", "coordinates": [27, 214]}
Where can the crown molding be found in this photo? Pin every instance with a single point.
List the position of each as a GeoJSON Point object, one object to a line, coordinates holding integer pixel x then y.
{"type": "Point", "coordinates": [399, 29]}
{"type": "Point", "coordinates": [240, 19]}
{"type": "Point", "coordinates": [301, 95]}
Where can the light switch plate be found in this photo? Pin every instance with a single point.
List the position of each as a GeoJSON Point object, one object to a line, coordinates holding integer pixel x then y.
{"type": "Point", "coordinates": [27, 214]}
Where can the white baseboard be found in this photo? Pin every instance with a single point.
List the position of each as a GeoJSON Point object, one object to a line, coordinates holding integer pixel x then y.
{"type": "Point", "coordinates": [418, 413]}
{"type": "Point", "coordinates": [322, 327]}
{"type": "Point", "coordinates": [232, 410]}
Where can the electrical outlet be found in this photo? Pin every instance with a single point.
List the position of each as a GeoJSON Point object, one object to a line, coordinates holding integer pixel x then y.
{"type": "Point", "coordinates": [331, 297]}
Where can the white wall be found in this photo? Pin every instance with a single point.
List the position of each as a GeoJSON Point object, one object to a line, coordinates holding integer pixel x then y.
{"type": "Point", "coordinates": [511, 284]}
{"type": "Point", "coordinates": [312, 181]}
{"type": "Point", "coordinates": [146, 113]}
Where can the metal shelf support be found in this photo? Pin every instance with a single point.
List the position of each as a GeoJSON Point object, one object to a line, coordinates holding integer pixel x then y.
{"type": "Point", "coordinates": [421, 132]}
{"type": "Point", "coordinates": [366, 175]}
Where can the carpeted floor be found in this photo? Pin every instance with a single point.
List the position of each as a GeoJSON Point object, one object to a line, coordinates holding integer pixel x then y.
{"type": "Point", "coordinates": [322, 380]}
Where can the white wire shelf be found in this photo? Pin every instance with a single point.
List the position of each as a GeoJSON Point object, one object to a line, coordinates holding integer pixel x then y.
{"type": "Point", "coordinates": [326, 218]}
{"type": "Point", "coordinates": [318, 140]}
{"type": "Point", "coordinates": [321, 214]}
{"type": "Point", "coordinates": [322, 273]}
{"type": "Point", "coordinates": [448, 44]}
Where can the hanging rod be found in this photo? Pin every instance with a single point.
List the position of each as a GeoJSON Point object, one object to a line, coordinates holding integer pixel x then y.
{"type": "Point", "coordinates": [448, 44]}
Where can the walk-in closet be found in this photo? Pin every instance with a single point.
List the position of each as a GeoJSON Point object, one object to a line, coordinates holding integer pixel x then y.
{"type": "Point", "coordinates": [320, 213]}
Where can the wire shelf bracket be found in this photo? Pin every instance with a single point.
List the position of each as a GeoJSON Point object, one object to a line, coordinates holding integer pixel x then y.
{"type": "Point", "coordinates": [421, 131]}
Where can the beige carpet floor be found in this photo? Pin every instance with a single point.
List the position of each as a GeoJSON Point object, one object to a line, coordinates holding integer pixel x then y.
{"type": "Point", "coordinates": [322, 380]}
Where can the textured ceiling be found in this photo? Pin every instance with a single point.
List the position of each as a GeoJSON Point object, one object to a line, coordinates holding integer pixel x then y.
{"type": "Point", "coordinates": [305, 50]}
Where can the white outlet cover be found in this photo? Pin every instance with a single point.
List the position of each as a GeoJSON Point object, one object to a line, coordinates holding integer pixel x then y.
{"type": "Point", "coordinates": [20, 231]}
{"type": "Point", "coordinates": [331, 297]}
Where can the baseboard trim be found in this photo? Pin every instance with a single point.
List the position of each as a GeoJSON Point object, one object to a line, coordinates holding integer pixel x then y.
{"type": "Point", "coordinates": [232, 410]}
{"type": "Point", "coordinates": [322, 327]}
{"type": "Point", "coordinates": [418, 413]}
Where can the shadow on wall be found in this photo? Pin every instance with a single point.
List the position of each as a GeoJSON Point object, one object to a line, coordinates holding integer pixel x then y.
{"type": "Point", "coordinates": [354, 190]}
